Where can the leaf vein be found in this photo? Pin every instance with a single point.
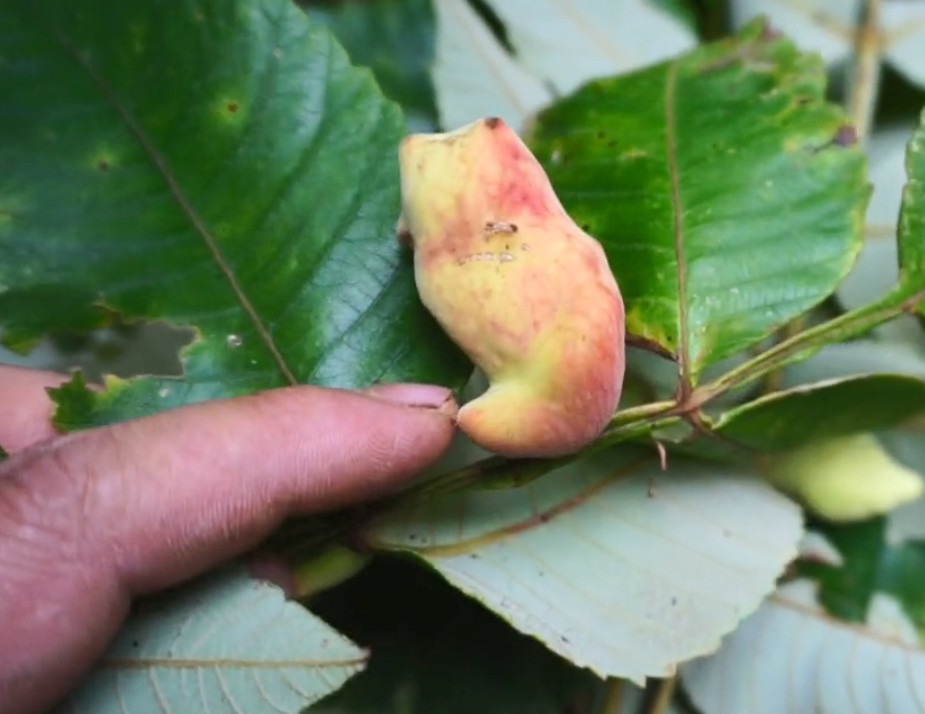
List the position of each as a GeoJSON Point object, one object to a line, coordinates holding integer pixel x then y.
{"type": "Point", "coordinates": [678, 219]}
{"type": "Point", "coordinates": [184, 204]}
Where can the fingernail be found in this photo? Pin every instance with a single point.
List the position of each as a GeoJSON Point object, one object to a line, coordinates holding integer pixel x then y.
{"type": "Point", "coordinates": [427, 396]}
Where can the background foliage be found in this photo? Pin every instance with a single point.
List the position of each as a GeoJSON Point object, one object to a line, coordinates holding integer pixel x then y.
{"type": "Point", "coordinates": [225, 184]}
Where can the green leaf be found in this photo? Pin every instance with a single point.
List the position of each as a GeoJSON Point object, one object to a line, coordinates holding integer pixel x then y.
{"type": "Point", "coordinates": [724, 188]}
{"type": "Point", "coordinates": [435, 651]}
{"type": "Point", "coordinates": [912, 218]}
{"type": "Point", "coordinates": [870, 565]}
{"type": "Point", "coordinates": [683, 10]}
{"type": "Point", "coordinates": [224, 643]}
{"type": "Point", "coordinates": [847, 588]}
{"type": "Point", "coordinates": [395, 39]}
{"type": "Point", "coordinates": [23, 326]}
{"type": "Point", "coordinates": [612, 563]}
{"type": "Point", "coordinates": [222, 166]}
{"type": "Point", "coordinates": [791, 418]}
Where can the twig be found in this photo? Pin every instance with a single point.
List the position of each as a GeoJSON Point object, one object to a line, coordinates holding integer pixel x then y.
{"type": "Point", "coordinates": [839, 329]}
{"type": "Point", "coordinates": [664, 693]}
{"type": "Point", "coordinates": [613, 697]}
{"type": "Point", "coordinates": [865, 74]}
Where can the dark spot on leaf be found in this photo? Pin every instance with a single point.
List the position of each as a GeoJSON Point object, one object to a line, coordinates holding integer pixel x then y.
{"type": "Point", "coordinates": [232, 107]}
{"type": "Point", "coordinates": [674, 601]}
{"type": "Point", "coordinates": [613, 143]}
{"type": "Point", "coordinates": [565, 639]}
{"type": "Point", "coordinates": [586, 227]}
{"type": "Point", "coordinates": [134, 643]}
{"type": "Point", "coordinates": [492, 122]}
{"type": "Point", "coordinates": [800, 101]}
{"type": "Point", "coordinates": [412, 536]}
{"type": "Point", "coordinates": [846, 135]}
{"type": "Point", "coordinates": [473, 556]}
{"type": "Point", "coordinates": [102, 165]}
{"type": "Point", "coordinates": [601, 135]}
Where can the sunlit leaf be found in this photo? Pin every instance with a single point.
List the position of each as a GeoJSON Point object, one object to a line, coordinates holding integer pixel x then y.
{"type": "Point", "coordinates": [557, 46]}
{"type": "Point", "coordinates": [845, 636]}
{"type": "Point", "coordinates": [611, 563]}
{"type": "Point", "coordinates": [473, 74]}
{"type": "Point", "coordinates": [792, 658]}
{"type": "Point", "coordinates": [830, 26]}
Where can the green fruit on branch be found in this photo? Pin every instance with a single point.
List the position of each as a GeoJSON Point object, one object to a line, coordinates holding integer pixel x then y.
{"type": "Point", "coordinates": [510, 277]}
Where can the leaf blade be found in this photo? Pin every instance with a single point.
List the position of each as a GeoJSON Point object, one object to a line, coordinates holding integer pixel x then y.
{"type": "Point", "coordinates": [911, 232]}
{"type": "Point", "coordinates": [603, 573]}
{"type": "Point", "coordinates": [232, 173]}
{"type": "Point", "coordinates": [836, 407]}
{"type": "Point", "coordinates": [226, 641]}
{"type": "Point", "coordinates": [691, 220]}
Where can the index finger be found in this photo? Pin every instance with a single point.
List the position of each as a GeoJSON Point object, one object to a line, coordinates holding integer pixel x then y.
{"type": "Point", "coordinates": [25, 407]}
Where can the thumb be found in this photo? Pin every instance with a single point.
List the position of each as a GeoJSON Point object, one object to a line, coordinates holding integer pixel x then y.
{"type": "Point", "coordinates": [89, 519]}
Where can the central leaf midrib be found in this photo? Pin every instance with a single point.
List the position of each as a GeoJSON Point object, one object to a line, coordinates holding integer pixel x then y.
{"type": "Point", "coordinates": [227, 663]}
{"type": "Point", "coordinates": [562, 506]}
{"type": "Point", "coordinates": [185, 207]}
{"type": "Point", "coordinates": [683, 347]}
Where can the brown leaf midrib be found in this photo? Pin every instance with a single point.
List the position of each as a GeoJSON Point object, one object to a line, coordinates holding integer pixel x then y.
{"type": "Point", "coordinates": [184, 205]}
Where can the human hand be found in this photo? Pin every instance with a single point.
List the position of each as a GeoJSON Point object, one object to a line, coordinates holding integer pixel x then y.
{"type": "Point", "coordinates": [91, 519]}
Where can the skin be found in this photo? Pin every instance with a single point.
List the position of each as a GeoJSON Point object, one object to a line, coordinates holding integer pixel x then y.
{"type": "Point", "coordinates": [92, 519]}
{"type": "Point", "coordinates": [526, 293]}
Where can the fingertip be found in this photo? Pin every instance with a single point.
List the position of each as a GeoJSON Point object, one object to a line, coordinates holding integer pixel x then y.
{"type": "Point", "coordinates": [26, 408]}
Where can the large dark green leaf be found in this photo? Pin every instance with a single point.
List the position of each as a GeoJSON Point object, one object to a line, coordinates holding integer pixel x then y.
{"type": "Point", "coordinates": [218, 164]}
{"type": "Point", "coordinates": [395, 39]}
{"type": "Point", "coordinates": [789, 419]}
{"type": "Point", "coordinates": [870, 565]}
{"type": "Point", "coordinates": [724, 188]}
